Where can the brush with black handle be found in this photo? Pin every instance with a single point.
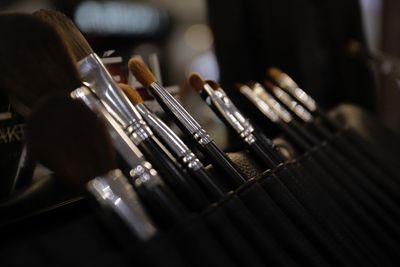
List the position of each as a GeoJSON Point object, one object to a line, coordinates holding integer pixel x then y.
{"type": "Point", "coordinates": [96, 76]}
{"type": "Point", "coordinates": [233, 175]}
{"type": "Point", "coordinates": [155, 194]}
{"type": "Point", "coordinates": [358, 181]}
{"type": "Point", "coordinates": [228, 113]}
{"type": "Point", "coordinates": [351, 138]}
{"type": "Point", "coordinates": [176, 145]}
{"type": "Point", "coordinates": [355, 202]}
{"type": "Point", "coordinates": [349, 151]}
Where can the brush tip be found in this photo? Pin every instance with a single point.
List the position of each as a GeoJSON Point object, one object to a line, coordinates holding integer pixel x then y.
{"type": "Point", "coordinates": [131, 93]}
{"type": "Point", "coordinates": [213, 84]}
{"type": "Point", "coordinates": [274, 72]}
{"type": "Point", "coordinates": [269, 85]}
{"type": "Point", "coordinates": [196, 81]}
{"type": "Point", "coordinates": [141, 72]}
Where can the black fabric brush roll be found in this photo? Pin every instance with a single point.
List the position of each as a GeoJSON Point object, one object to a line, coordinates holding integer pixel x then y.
{"type": "Point", "coordinates": [279, 225]}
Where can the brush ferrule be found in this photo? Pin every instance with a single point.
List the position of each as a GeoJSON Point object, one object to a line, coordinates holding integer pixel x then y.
{"type": "Point", "coordinates": [113, 191]}
{"type": "Point", "coordinates": [169, 138]}
{"type": "Point", "coordinates": [270, 101]}
{"type": "Point", "coordinates": [138, 131]}
{"type": "Point", "coordinates": [231, 114]}
{"type": "Point", "coordinates": [261, 105]}
{"type": "Point", "coordinates": [95, 74]}
{"type": "Point", "coordinates": [181, 114]}
{"type": "Point", "coordinates": [144, 175]}
{"type": "Point", "coordinates": [291, 86]}
{"type": "Point", "coordinates": [121, 141]}
{"type": "Point", "coordinates": [293, 105]}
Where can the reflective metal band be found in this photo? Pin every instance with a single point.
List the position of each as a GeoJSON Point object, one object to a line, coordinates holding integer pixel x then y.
{"type": "Point", "coordinates": [114, 192]}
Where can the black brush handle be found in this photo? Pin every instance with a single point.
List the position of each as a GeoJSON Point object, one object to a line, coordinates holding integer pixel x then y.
{"type": "Point", "coordinates": [162, 204]}
{"type": "Point", "coordinates": [261, 153]}
{"type": "Point", "coordinates": [210, 187]}
{"type": "Point", "coordinates": [233, 176]}
{"type": "Point", "coordinates": [269, 147]}
{"type": "Point", "coordinates": [188, 192]}
{"type": "Point", "coordinates": [297, 139]}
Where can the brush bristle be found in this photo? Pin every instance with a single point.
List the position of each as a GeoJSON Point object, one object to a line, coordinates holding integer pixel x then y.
{"type": "Point", "coordinates": [141, 72]}
{"type": "Point", "coordinates": [269, 85]}
{"type": "Point", "coordinates": [213, 84]}
{"type": "Point", "coordinates": [33, 59]}
{"type": "Point", "coordinates": [132, 94]}
{"type": "Point", "coordinates": [275, 73]}
{"type": "Point", "coordinates": [68, 138]}
{"type": "Point", "coordinates": [196, 82]}
{"type": "Point", "coordinates": [68, 31]}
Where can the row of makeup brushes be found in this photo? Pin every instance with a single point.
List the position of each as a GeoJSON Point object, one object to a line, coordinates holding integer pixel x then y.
{"type": "Point", "coordinates": [334, 205]}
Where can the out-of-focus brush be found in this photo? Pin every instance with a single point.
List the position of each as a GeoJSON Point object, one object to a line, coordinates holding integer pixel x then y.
{"type": "Point", "coordinates": [68, 138]}
{"type": "Point", "coordinates": [220, 103]}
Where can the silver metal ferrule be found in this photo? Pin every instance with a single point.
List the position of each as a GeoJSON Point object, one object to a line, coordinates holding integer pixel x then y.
{"type": "Point", "coordinates": [261, 105]}
{"type": "Point", "coordinates": [141, 169]}
{"type": "Point", "coordinates": [291, 86]}
{"type": "Point", "coordinates": [113, 191]}
{"type": "Point", "coordinates": [170, 139]}
{"type": "Point", "coordinates": [182, 115]}
{"type": "Point", "coordinates": [95, 75]}
{"type": "Point", "coordinates": [292, 104]}
{"type": "Point", "coordinates": [226, 108]}
{"type": "Point", "coordinates": [270, 101]}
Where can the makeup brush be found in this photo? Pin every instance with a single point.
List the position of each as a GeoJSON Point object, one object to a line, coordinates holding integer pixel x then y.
{"type": "Point", "coordinates": [234, 176]}
{"type": "Point", "coordinates": [26, 83]}
{"type": "Point", "coordinates": [382, 205]}
{"type": "Point", "coordinates": [158, 198]}
{"type": "Point", "coordinates": [187, 158]}
{"type": "Point", "coordinates": [95, 75]}
{"type": "Point", "coordinates": [65, 136]}
{"type": "Point", "coordinates": [228, 113]}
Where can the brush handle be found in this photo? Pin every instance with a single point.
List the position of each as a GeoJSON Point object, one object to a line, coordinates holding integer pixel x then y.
{"type": "Point", "coordinates": [232, 174]}
{"type": "Point", "coordinates": [162, 204]}
{"type": "Point", "coordinates": [260, 152]}
{"type": "Point", "coordinates": [297, 139]}
{"type": "Point", "coordinates": [210, 187]}
{"type": "Point", "coordinates": [172, 175]}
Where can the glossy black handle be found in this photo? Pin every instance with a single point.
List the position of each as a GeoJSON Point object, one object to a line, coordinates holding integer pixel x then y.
{"type": "Point", "coordinates": [261, 153]}
{"type": "Point", "coordinates": [233, 176]}
{"type": "Point", "coordinates": [210, 187]}
{"type": "Point", "coordinates": [174, 177]}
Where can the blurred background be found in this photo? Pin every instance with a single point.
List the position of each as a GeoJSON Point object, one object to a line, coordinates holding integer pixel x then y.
{"type": "Point", "coordinates": [338, 50]}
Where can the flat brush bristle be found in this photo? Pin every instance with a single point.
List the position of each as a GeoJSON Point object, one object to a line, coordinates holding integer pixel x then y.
{"type": "Point", "coordinates": [214, 85]}
{"type": "Point", "coordinates": [141, 72]}
{"type": "Point", "coordinates": [33, 59]}
{"type": "Point", "coordinates": [275, 73]}
{"type": "Point", "coordinates": [196, 82]}
{"type": "Point", "coordinates": [68, 31]}
{"type": "Point", "coordinates": [68, 138]}
{"type": "Point", "coordinates": [132, 94]}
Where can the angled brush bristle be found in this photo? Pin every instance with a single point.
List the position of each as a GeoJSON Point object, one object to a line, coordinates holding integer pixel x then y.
{"type": "Point", "coordinates": [68, 31]}
{"type": "Point", "coordinates": [132, 94]}
{"type": "Point", "coordinates": [33, 59]}
{"type": "Point", "coordinates": [141, 72]}
{"type": "Point", "coordinates": [68, 138]}
{"type": "Point", "coordinates": [275, 73]}
{"type": "Point", "coordinates": [214, 85]}
{"type": "Point", "coordinates": [196, 82]}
